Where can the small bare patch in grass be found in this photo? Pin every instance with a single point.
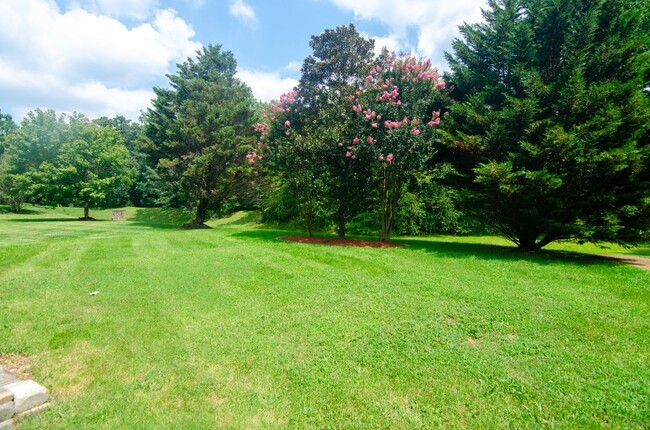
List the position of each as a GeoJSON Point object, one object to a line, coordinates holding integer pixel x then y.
{"type": "Point", "coordinates": [632, 260]}
{"type": "Point", "coordinates": [216, 399]}
{"type": "Point", "coordinates": [17, 365]}
{"type": "Point", "coordinates": [452, 320]}
{"type": "Point", "coordinates": [472, 341]}
{"type": "Point", "coordinates": [194, 226]}
{"type": "Point", "coordinates": [512, 336]}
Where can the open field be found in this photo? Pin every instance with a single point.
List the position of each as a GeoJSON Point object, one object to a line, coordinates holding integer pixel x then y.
{"type": "Point", "coordinates": [230, 328]}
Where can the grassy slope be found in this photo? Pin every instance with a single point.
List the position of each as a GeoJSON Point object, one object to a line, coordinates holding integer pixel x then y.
{"type": "Point", "coordinates": [231, 328]}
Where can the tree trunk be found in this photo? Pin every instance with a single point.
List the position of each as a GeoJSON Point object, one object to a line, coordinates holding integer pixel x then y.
{"type": "Point", "coordinates": [390, 193]}
{"type": "Point", "coordinates": [201, 211]}
{"type": "Point", "coordinates": [16, 205]}
{"type": "Point", "coordinates": [340, 230]}
{"type": "Point", "coordinates": [86, 209]}
{"type": "Point", "coordinates": [529, 242]}
{"type": "Point", "coordinates": [308, 215]}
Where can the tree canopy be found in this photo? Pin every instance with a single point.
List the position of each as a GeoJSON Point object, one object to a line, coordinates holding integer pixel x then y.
{"type": "Point", "coordinates": [551, 121]}
{"type": "Point", "coordinates": [199, 130]}
{"type": "Point", "coordinates": [92, 169]}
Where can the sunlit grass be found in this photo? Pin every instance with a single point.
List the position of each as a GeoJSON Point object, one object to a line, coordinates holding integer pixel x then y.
{"type": "Point", "coordinates": [231, 328]}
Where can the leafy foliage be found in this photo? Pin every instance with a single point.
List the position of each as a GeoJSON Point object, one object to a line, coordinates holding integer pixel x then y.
{"type": "Point", "coordinates": [93, 168]}
{"type": "Point", "coordinates": [340, 61]}
{"type": "Point", "coordinates": [38, 139]}
{"type": "Point", "coordinates": [199, 130]}
{"type": "Point", "coordinates": [552, 122]}
{"type": "Point", "coordinates": [398, 109]}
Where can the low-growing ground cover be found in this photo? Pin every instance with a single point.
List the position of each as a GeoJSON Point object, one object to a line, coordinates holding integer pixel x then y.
{"type": "Point", "coordinates": [231, 328]}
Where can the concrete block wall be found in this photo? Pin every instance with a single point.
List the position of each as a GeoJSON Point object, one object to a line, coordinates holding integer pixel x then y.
{"type": "Point", "coordinates": [18, 399]}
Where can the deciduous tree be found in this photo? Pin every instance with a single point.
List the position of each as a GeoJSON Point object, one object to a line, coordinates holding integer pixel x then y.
{"type": "Point", "coordinates": [93, 168]}
{"type": "Point", "coordinates": [38, 139]}
{"type": "Point", "coordinates": [398, 111]}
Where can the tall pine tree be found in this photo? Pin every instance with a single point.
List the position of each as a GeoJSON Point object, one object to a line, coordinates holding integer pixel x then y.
{"type": "Point", "coordinates": [551, 123]}
{"type": "Point", "coordinates": [199, 130]}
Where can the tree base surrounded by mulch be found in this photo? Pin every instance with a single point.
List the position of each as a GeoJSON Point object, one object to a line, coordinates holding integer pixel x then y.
{"type": "Point", "coordinates": [337, 241]}
{"type": "Point", "coordinates": [86, 218]}
{"type": "Point", "coordinates": [194, 226]}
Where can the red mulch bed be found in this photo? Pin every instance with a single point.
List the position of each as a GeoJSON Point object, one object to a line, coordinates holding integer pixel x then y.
{"type": "Point", "coordinates": [335, 241]}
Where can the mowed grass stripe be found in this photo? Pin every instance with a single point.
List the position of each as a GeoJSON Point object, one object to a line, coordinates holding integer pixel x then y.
{"type": "Point", "coordinates": [230, 328]}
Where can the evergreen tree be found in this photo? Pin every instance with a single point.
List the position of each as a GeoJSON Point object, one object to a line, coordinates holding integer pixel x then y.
{"type": "Point", "coordinates": [552, 119]}
{"type": "Point", "coordinates": [199, 130]}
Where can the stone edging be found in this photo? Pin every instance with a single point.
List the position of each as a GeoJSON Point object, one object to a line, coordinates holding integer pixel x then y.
{"type": "Point", "coordinates": [19, 399]}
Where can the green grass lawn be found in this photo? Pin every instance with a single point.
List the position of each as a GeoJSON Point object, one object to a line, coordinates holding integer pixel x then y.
{"type": "Point", "coordinates": [231, 328]}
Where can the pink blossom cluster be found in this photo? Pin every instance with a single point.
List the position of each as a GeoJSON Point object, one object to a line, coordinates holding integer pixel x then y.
{"type": "Point", "coordinates": [352, 149]}
{"type": "Point", "coordinates": [253, 157]}
{"type": "Point", "coordinates": [392, 97]}
{"type": "Point", "coordinates": [288, 98]}
{"type": "Point", "coordinates": [416, 70]}
{"type": "Point", "coordinates": [396, 124]}
{"type": "Point", "coordinates": [262, 128]}
{"type": "Point", "coordinates": [370, 114]}
{"type": "Point", "coordinates": [435, 119]}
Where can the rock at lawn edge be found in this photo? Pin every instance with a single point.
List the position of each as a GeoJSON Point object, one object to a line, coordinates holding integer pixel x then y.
{"type": "Point", "coordinates": [27, 395]}
{"type": "Point", "coordinates": [6, 405]}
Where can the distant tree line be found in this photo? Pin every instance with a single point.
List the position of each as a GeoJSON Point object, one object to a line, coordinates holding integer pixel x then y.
{"type": "Point", "coordinates": [540, 132]}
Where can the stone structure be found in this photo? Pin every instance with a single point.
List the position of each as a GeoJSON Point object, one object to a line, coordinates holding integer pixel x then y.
{"type": "Point", "coordinates": [19, 398]}
{"type": "Point", "coordinates": [119, 215]}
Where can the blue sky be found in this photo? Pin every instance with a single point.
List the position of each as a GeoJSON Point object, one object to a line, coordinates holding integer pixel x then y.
{"type": "Point", "coordinates": [103, 57]}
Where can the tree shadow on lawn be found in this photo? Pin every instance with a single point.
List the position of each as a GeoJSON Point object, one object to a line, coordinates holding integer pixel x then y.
{"type": "Point", "coordinates": [265, 235]}
{"type": "Point", "coordinates": [167, 218]}
{"type": "Point", "coordinates": [6, 210]}
{"type": "Point", "coordinates": [42, 220]}
{"type": "Point", "coordinates": [461, 250]}
{"type": "Point", "coordinates": [504, 253]}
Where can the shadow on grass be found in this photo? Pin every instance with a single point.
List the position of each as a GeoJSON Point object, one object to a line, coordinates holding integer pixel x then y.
{"type": "Point", "coordinates": [265, 235]}
{"type": "Point", "coordinates": [242, 218]}
{"type": "Point", "coordinates": [161, 216]}
{"type": "Point", "coordinates": [463, 250]}
{"type": "Point", "coordinates": [503, 253]}
{"type": "Point", "coordinates": [45, 220]}
{"type": "Point", "coordinates": [7, 210]}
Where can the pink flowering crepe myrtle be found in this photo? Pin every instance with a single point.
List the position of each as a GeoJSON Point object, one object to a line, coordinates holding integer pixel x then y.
{"type": "Point", "coordinates": [392, 107]}
{"type": "Point", "coordinates": [396, 120]}
{"type": "Point", "coordinates": [274, 130]}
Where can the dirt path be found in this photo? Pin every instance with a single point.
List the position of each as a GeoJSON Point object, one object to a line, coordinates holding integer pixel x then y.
{"type": "Point", "coordinates": [632, 260]}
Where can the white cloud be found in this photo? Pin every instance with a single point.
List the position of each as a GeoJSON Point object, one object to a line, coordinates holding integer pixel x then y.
{"type": "Point", "coordinates": [241, 10]}
{"type": "Point", "coordinates": [136, 9]}
{"type": "Point", "coordinates": [436, 21]}
{"type": "Point", "coordinates": [293, 67]}
{"type": "Point", "coordinates": [79, 60]}
{"type": "Point", "coordinates": [93, 99]}
{"type": "Point", "coordinates": [392, 42]}
{"type": "Point", "coordinates": [266, 86]}
{"type": "Point", "coordinates": [196, 4]}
